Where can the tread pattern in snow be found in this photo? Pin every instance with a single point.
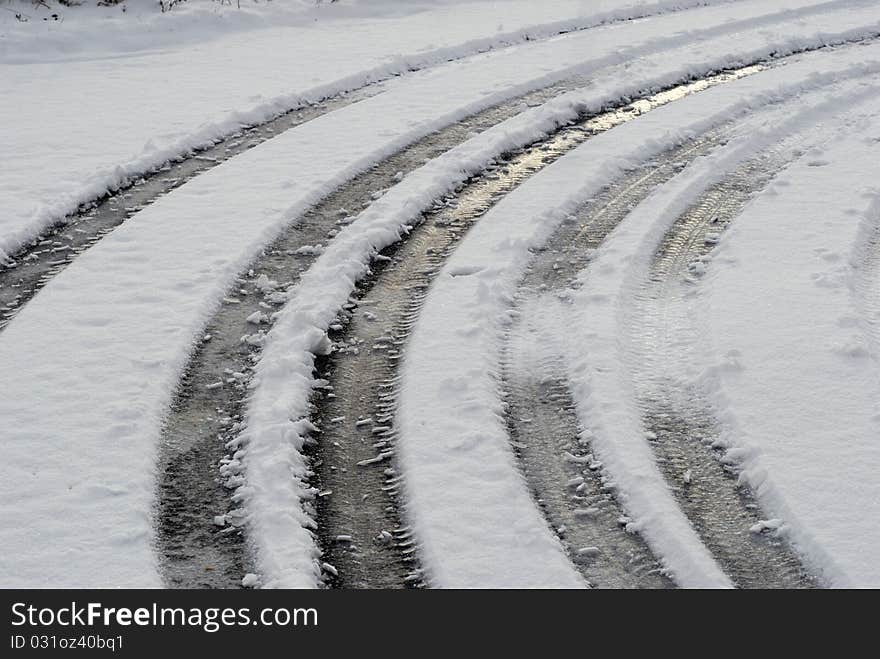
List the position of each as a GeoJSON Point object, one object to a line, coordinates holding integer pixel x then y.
{"type": "Point", "coordinates": [543, 426]}
{"type": "Point", "coordinates": [720, 508]}
{"type": "Point", "coordinates": [33, 266]}
{"type": "Point", "coordinates": [353, 460]}
{"type": "Point", "coordinates": [369, 345]}
{"type": "Point", "coordinates": [199, 529]}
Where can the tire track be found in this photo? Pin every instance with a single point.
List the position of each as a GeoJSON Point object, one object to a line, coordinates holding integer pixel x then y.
{"type": "Point", "coordinates": [24, 272]}
{"type": "Point", "coordinates": [200, 534]}
{"type": "Point", "coordinates": [28, 270]}
{"type": "Point", "coordinates": [552, 447]}
{"type": "Point", "coordinates": [685, 436]}
{"type": "Point", "coordinates": [354, 455]}
{"type": "Point", "coordinates": [200, 537]}
{"type": "Point", "coordinates": [566, 481]}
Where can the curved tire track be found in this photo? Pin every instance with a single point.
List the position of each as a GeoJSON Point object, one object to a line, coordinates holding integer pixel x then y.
{"type": "Point", "coordinates": [198, 550]}
{"type": "Point", "coordinates": [202, 428]}
{"type": "Point", "coordinates": [551, 445]}
{"type": "Point", "coordinates": [29, 269]}
{"type": "Point", "coordinates": [24, 272]}
{"type": "Point", "coordinates": [200, 539]}
{"type": "Point", "coordinates": [686, 436]}
{"type": "Point", "coordinates": [544, 429]}
{"type": "Point", "coordinates": [352, 468]}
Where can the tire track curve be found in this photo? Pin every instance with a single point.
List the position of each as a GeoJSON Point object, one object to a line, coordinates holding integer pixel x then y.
{"type": "Point", "coordinates": [24, 272]}
{"type": "Point", "coordinates": [201, 538]}
{"type": "Point", "coordinates": [199, 535]}
{"type": "Point", "coordinates": [685, 436]}
{"type": "Point", "coordinates": [552, 447]}
{"type": "Point", "coordinates": [199, 529]}
{"type": "Point", "coordinates": [29, 269]}
{"type": "Point", "coordinates": [353, 456]}
{"type": "Point", "coordinates": [555, 457]}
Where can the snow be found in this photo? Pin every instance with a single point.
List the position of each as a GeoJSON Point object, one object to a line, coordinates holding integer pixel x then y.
{"type": "Point", "coordinates": [153, 283]}
{"type": "Point", "coordinates": [89, 30]}
{"type": "Point", "coordinates": [451, 435]}
{"type": "Point", "coordinates": [87, 107]}
{"type": "Point", "coordinates": [603, 379]}
{"type": "Point", "coordinates": [99, 352]}
{"type": "Point", "coordinates": [284, 373]}
{"type": "Point", "coordinates": [325, 291]}
{"type": "Point", "coordinates": [800, 410]}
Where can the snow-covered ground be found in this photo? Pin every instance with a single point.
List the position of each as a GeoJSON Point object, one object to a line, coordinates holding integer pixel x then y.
{"type": "Point", "coordinates": [792, 367]}
{"type": "Point", "coordinates": [786, 340]}
{"type": "Point", "coordinates": [450, 408]}
{"type": "Point", "coordinates": [86, 107]}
